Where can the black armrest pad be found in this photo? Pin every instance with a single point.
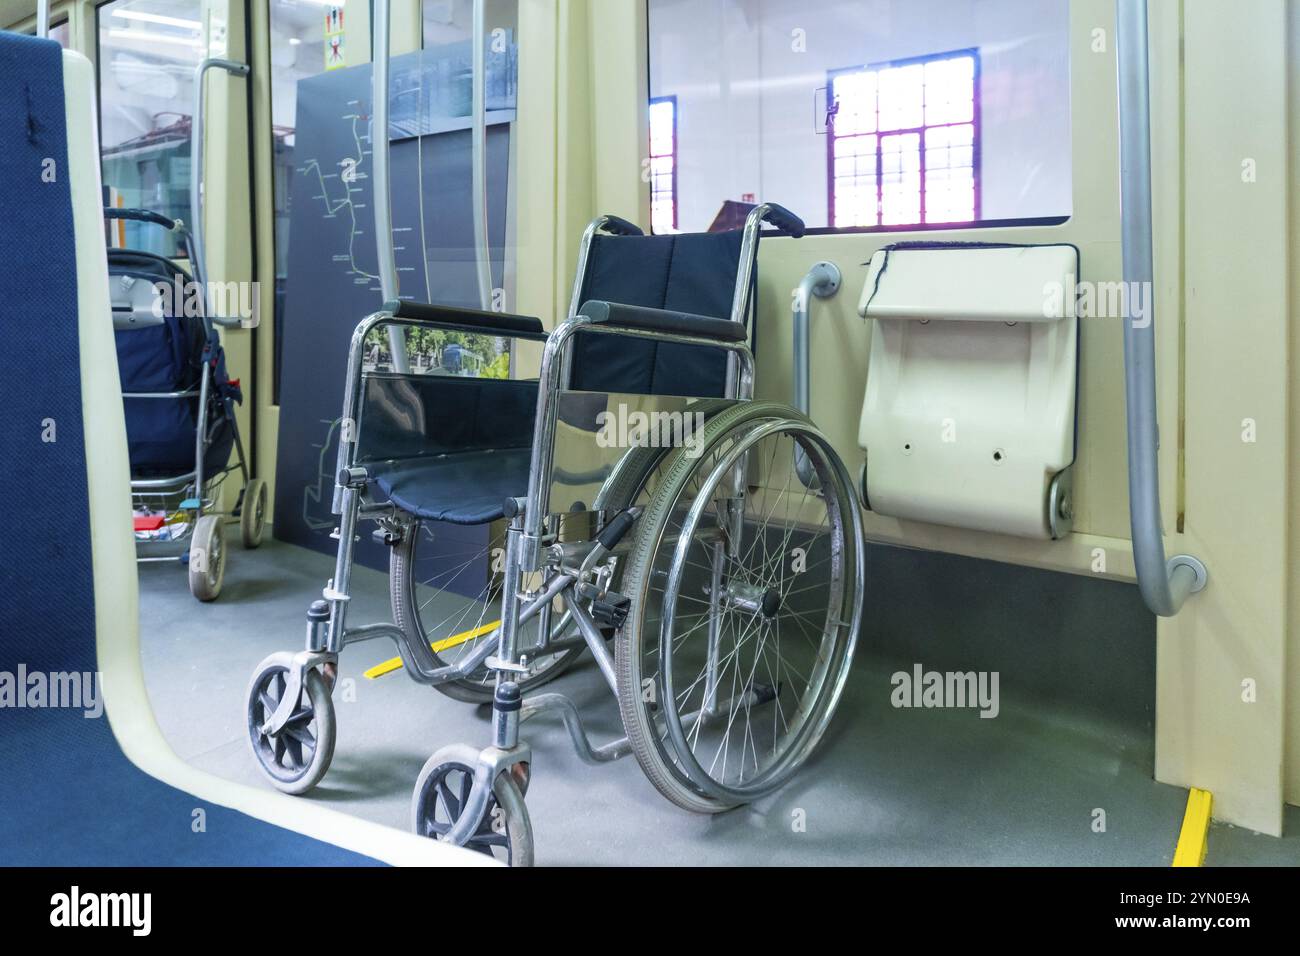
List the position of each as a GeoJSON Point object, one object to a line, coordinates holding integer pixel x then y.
{"type": "Point", "coordinates": [470, 320]}
{"type": "Point", "coordinates": [661, 320]}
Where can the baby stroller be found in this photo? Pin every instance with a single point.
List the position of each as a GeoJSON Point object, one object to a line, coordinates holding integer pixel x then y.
{"type": "Point", "coordinates": [708, 552]}
{"type": "Point", "coordinates": [180, 415]}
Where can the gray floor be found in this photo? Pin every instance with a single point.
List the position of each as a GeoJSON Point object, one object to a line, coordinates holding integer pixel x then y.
{"type": "Point", "coordinates": [889, 786]}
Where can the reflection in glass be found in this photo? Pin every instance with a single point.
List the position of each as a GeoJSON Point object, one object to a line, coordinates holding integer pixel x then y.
{"type": "Point", "coordinates": [148, 50]}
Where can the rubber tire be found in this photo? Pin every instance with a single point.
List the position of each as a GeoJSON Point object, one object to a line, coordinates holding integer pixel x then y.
{"type": "Point", "coordinates": [627, 657]}
{"type": "Point", "coordinates": [519, 827]}
{"type": "Point", "coordinates": [252, 514]}
{"type": "Point", "coordinates": [326, 725]}
{"type": "Point", "coordinates": [206, 584]}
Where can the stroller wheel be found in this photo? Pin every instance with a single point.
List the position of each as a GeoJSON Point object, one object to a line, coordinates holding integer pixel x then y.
{"type": "Point", "coordinates": [297, 757]}
{"type": "Point", "coordinates": [207, 561]}
{"type": "Point", "coordinates": [443, 788]}
{"type": "Point", "coordinates": [252, 514]}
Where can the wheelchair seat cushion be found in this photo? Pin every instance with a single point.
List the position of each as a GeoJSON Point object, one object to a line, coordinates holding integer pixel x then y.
{"type": "Point", "coordinates": [466, 488]}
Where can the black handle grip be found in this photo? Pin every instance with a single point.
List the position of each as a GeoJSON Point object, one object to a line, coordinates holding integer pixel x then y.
{"type": "Point", "coordinates": [613, 532]}
{"type": "Point", "coordinates": [785, 220]}
{"type": "Point", "coordinates": [616, 226]}
{"type": "Point", "coordinates": [139, 215]}
{"type": "Point", "coordinates": [472, 320]}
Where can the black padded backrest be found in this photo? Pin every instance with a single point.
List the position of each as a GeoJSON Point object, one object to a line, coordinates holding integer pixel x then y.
{"type": "Point", "coordinates": [693, 272]}
{"type": "Point", "coordinates": [408, 416]}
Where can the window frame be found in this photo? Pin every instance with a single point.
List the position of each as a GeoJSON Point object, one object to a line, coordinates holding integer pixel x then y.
{"type": "Point", "coordinates": [675, 155]}
{"type": "Point", "coordinates": [976, 151]}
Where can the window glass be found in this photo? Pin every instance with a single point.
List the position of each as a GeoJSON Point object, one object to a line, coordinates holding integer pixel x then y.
{"type": "Point", "coordinates": [148, 50]}
{"type": "Point", "coordinates": [61, 34]}
{"type": "Point", "coordinates": [861, 114]}
{"type": "Point", "coordinates": [663, 164]}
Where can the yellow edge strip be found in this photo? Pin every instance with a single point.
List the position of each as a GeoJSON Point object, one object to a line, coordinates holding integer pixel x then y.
{"type": "Point", "coordinates": [1192, 841]}
{"type": "Point", "coordinates": [446, 644]}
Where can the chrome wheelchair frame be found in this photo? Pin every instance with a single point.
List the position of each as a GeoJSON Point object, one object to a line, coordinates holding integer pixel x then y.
{"type": "Point", "coordinates": [573, 572]}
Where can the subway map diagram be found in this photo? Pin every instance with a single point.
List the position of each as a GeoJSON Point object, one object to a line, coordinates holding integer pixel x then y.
{"type": "Point", "coordinates": [332, 262]}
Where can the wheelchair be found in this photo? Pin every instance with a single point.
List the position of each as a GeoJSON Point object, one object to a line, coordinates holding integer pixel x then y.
{"type": "Point", "coordinates": [706, 550]}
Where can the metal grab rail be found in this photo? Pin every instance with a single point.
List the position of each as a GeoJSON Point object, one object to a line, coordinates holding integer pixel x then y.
{"type": "Point", "coordinates": [478, 189]}
{"type": "Point", "coordinates": [234, 68]}
{"type": "Point", "coordinates": [823, 280]}
{"type": "Point", "coordinates": [1164, 585]}
{"type": "Point", "coordinates": [43, 19]}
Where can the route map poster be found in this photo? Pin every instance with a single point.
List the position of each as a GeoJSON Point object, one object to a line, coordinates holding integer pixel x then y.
{"type": "Point", "coordinates": [332, 273]}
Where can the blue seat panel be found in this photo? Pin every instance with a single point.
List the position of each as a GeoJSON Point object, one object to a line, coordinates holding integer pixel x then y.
{"type": "Point", "coordinates": [68, 795]}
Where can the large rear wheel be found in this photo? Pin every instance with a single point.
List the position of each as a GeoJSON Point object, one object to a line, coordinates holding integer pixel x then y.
{"type": "Point", "coordinates": [746, 606]}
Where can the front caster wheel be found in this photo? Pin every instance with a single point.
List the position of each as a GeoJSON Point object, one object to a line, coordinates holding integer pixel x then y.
{"type": "Point", "coordinates": [296, 758]}
{"type": "Point", "coordinates": [442, 791]}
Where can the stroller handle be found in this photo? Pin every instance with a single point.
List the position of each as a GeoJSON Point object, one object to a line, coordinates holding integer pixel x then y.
{"type": "Point", "coordinates": [141, 215]}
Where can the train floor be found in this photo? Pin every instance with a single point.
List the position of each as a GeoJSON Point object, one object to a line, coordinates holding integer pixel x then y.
{"type": "Point", "coordinates": [889, 786]}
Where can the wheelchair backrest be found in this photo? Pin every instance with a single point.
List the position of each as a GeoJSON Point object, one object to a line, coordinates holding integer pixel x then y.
{"type": "Point", "coordinates": [691, 272]}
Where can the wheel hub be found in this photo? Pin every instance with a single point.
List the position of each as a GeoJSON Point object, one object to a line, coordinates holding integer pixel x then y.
{"type": "Point", "coordinates": [753, 598]}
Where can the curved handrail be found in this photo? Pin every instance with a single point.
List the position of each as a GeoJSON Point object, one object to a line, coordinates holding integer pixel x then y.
{"type": "Point", "coordinates": [1164, 585]}
{"type": "Point", "coordinates": [822, 281]}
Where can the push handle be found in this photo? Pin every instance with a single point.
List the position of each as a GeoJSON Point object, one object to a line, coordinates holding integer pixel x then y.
{"type": "Point", "coordinates": [139, 215]}
{"type": "Point", "coordinates": [617, 226]}
{"type": "Point", "coordinates": [1164, 585]}
{"type": "Point", "coordinates": [784, 220]}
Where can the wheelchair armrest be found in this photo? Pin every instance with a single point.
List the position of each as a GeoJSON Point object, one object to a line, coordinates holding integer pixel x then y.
{"type": "Point", "coordinates": [469, 320]}
{"type": "Point", "coordinates": [662, 320]}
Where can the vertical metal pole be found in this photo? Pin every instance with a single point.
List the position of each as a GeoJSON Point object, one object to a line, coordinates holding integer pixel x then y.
{"type": "Point", "coordinates": [478, 189]}
{"type": "Point", "coordinates": [197, 145]}
{"type": "Point", "coordinates": [1164, 586]}
{"type": "Point", "coordinates": [379, 154]}
{"type": "Point", "coordinates": [43, 18]}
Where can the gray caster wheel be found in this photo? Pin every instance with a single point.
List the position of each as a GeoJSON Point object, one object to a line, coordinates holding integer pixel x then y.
{"type": "Point", "coordinates": [207, 559]}
{"type": "Point", "coordinates": [296, 758]}
{"type": "Point", "coordinates": [252, 514]}
{"type": "Point", "coordinates": [443, 788]}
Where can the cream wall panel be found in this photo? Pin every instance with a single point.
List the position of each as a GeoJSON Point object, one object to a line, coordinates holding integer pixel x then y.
{"type": "Point", "coordinates": [1293, 509]}
{"type": "Point", "coordinates": [227, 203]}
{"type": "Point", "coordinates": [1209, 734]}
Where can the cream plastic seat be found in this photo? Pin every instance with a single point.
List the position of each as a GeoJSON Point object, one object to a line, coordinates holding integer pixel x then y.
{"type": "Point", "coordinates": [969, 413]}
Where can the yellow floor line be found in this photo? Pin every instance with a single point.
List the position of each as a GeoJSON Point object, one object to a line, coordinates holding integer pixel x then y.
{"type": "Point", "coordinates": [395, 664]}
{"type": "Point", "coordinates": [1196, 829]}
